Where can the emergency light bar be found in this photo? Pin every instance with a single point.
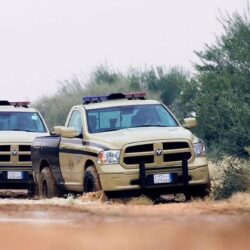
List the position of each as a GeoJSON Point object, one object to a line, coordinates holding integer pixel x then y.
{"type": "Point", "coordinates": [136, 95]}
{"type": "Point", "coordinates": [89, 99]}
{"type": "Point", "coordinates": [15, 104]}
{"type": "Point", "coordinates": [20, 104]}
{"type": "Point", "coordinates": [4, 103]}
{"type": "Point", "coordinates": [114, 96]}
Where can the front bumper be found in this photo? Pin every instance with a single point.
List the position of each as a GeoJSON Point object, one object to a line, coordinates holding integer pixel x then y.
{"type": "Point", "coordinates": [141, 178]}
{"type": "Point", "coordinates": [9, 183]}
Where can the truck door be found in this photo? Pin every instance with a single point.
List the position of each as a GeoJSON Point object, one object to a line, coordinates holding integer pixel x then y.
{"type": "Point", "coordinates": [71, 157]}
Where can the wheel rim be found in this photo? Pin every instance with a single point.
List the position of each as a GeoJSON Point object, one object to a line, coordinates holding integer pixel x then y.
{"type": "Point", "coordinates": [45, 189]}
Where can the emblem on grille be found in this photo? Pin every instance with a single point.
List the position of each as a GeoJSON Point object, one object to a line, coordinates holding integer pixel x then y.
{"type": "Point", "coordinates": [14, 152]}
{"type": "Point", "coordinates": [158, 151]}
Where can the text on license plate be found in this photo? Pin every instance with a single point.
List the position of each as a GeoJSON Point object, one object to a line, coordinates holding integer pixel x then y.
{"type": "Point", "coordinates": [14, 175]}
{"type": "Point", "coordinates": [162, 178]}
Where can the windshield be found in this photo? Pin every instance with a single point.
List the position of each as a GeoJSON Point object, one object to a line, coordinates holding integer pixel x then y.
{"type": "Point", "coordinates": [21, 121]}
{"type": "Point", "coordinates": [115, 118]}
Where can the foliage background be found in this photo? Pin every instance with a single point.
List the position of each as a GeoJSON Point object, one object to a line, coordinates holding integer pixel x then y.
{"type": "Point", "coordinates": [217, 92]}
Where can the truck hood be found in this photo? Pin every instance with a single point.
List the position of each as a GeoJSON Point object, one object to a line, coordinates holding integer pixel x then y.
{"type": "Point", "coordinates": [117, 139]}
{"type": "Point", "coordinates": [19, 136]}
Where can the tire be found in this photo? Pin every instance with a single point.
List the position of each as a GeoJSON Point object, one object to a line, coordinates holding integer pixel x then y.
{"type": "Point", "coordinates": [201, 191]}
{"type": "Point", "coordinates": [188, 196]}
{"type": "Point", "coordinates": [33, 191]}
{"type": "Point", "coordinates": [153, 195]}
{"type": "Point", "coordinates": [91, 181]}
{"type": "Point", "coordinates": [47, 187]}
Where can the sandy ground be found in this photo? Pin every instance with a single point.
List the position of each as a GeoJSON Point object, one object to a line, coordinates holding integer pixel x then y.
{"type": "Point", "coordinates": [90, 222]}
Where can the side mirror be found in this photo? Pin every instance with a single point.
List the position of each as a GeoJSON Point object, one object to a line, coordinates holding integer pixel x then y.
{"type": "Point", "coordinates": [67, 132]}
{"type": "Point", "coordinates": [57, 130]}
{"type": "Point", "coordinates": [190, 123]}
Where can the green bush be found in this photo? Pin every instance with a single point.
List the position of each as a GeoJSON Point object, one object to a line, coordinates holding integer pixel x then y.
{"type": "Point", "coordinates": [234, 177]}
{"type": "Point", "coordinates": [222, 101]}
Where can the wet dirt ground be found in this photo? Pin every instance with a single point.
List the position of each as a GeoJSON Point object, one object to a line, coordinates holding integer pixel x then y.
{"type": "Point", "coordinates": [91, 222]}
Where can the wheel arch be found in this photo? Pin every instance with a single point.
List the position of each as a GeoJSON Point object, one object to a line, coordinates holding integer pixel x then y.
{"type": "Point", "coordinates": [44, 163]}
{"type": "Point", "coordinates": [89, 163]}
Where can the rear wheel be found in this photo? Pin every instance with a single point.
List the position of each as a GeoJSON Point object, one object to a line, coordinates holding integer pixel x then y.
{"type": "Point", "coordinates": [47, 187]}
{"type": "Point", "coordinates": [91, 180]}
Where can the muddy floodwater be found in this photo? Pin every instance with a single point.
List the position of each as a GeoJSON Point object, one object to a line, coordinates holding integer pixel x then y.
{"type": "Point", "coordinates": [92, 222]}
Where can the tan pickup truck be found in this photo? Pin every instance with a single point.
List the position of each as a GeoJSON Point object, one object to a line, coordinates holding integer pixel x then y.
{"type": "Point", "coordinates": [121, 142]}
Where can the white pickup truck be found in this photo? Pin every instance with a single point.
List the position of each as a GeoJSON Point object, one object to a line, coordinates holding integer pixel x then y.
{"type": "Point", "coordinates": [19, 125]}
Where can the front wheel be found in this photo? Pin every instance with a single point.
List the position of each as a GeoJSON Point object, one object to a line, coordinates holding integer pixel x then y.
{"type": "Point", "coordinates": [91, 180]}
{"type": "Point", "coordinates": [32, 191]}
{"type": "Point", "coordinates": [47, 187]}
{"type": "Point", "coordinates": [201, 191]}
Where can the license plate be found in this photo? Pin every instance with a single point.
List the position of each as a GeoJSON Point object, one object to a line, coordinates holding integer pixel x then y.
{"type": "Point", "coordinates": [14, 175]}
{"type": "Point", "coordinates": [162, 178]}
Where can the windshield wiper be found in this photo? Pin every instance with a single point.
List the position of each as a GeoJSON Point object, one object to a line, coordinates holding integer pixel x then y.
{"type": "Point", "coordinates": [149, 125]}
{"type": "Point", "coordinates": [116, 129]}
{"type": "Point", "coordinates": [108, 130]}
{"type": "Point", "coordinates": [24, 130]}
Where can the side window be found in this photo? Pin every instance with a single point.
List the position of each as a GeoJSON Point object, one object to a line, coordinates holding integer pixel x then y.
{"type": "Point", "coordinates": [75, 121]}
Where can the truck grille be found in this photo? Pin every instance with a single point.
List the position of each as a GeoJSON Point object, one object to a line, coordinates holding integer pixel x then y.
{"type": "Point", "coordinates": [5, 158]}
{"type": "Point", "coordinates": [176, 157]}
{"type": "Point", "coordinates": [157, 154]}
{"type": "Point", "coordinates": [4, 148]}
{"type": "Point", "coordinates": [15, 155]}
{"type": "Point", "coordinates": [138, 159]}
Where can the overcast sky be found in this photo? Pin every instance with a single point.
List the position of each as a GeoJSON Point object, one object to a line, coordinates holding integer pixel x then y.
{"type": "Point", "coordinates": [44, 42]}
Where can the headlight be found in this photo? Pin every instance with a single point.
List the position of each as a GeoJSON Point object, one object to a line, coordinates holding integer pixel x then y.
{"type": "Point", "coordinates": [108, 157]}
{"type": "Point", "coordinates": [199, 149]}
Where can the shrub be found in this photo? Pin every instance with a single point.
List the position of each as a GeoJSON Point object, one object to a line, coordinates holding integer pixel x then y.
{"type": "Point", "coordinates": [234, 177]}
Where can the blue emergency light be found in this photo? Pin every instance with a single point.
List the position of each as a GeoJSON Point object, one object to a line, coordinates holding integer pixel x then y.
{"type": "Point", "coordinates": [114, 96]}
{"type": "Point", "coordinates": [89, 99]}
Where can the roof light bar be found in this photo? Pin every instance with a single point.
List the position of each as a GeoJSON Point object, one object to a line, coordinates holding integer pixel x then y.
{"type": "Point", "coordinates": [20, 104]}
{"type": "Point", "coordinates": [15, 104]}
{"type": "Point", "coordinates": [4, 103]}
{"type": "Point", "coordinates": [114, 96]}
{"type": "Point", "coordinates": [89, 99]}
{"type": "Point", "coordinates": [136, 95]}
